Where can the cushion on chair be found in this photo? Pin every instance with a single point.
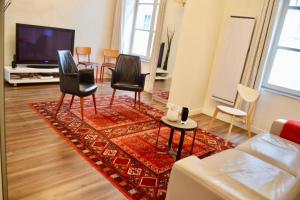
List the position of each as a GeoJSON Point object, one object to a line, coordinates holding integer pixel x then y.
{"type": "Point", "coordinates": [291, 131]}
{"type": "Point", "coordinates": [127, 86]}
{"type": "Point", "coordinates": [232, 111]}
{"type": "Point", "coordinates": [87, 89]}
{"type": "Point", "coordinates": [274, 150]}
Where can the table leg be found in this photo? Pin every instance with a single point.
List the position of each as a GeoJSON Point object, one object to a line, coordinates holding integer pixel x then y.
{"type": "Point", "coordinates": [158, 135]}
{"type": "Point", "coordinates": [180, 145]}
{"type": "Point", "coordinates": [195, 131]}
{"type": "Point", "coordinates": [171, 139]}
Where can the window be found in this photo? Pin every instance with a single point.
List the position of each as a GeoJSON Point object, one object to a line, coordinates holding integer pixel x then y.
{"type": "Point", "coordinates": [283, 65]}
{"type": "Point", "coordinates": [144, 28]}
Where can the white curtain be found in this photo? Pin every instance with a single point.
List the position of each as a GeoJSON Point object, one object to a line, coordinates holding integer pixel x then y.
{"type": "Point", "coordinates": [123, 24]}
{"type": "Point", "coordinates": [116, 39]}
{"type": "Point", "coordinates": [260, 45]}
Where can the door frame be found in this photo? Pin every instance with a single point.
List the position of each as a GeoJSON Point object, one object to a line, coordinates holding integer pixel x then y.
{"type": "Point", "coordinates": [3, 172]}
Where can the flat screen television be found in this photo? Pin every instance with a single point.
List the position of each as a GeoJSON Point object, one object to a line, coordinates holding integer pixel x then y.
{"type": "Point", "coordinates": [39, 44]}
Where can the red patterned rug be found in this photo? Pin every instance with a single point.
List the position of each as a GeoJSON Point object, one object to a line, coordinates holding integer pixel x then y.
{"type": "Point", "coordinates": [162, 96]}
{"type": "Point", "coordinates": [119, 141]}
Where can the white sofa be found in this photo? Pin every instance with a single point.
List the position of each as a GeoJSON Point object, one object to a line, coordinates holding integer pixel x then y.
{"type": "Point", "coordinates": [264, 167]}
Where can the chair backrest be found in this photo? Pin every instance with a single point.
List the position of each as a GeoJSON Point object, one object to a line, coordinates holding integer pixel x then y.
{"type": "Point", "coordinates": [66, 62]}
{"type": "Point", "coordinates": [67, 65]}
{"type": "Point", "coordinates": [110, 54]}
{"type": "Point", "coordinates": [83, 51]}
{"type": "Point", "coordinates": [248, 95]}
{"type": "Point", "coordinates": [128, 68]}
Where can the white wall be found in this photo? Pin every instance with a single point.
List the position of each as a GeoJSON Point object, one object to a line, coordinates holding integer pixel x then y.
{"type": "Point", "coordinates": [172, 21]}
{"type": "Point", "coordinates": [197, 54]}
{"type": "Point", "coordinates": [92, 20]}
{"type": "Point", "coordinates": [250, 8]}
{"type": "Point", "coordinates": [271, 106]}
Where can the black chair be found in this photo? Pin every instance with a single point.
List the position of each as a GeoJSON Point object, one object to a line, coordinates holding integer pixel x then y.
{"type": "Point", "coordinates": [127, 76]}
{"type": "Point", "coordinates": [77, 83]}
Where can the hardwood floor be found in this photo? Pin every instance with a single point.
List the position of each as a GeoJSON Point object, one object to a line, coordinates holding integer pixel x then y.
{"type": "Point", "coordinates": [43, 166]}
{"type": "Point", "coordinates": [162, 85]}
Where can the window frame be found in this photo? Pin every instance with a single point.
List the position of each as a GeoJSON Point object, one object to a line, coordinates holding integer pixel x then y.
{"type": "Point", "coordinates": [152, 30]}
{"type": "Point", "coordinates": [272, 54]}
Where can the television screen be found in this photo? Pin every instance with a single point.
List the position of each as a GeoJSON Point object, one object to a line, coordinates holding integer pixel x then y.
{"type": "Point", "coordinates": [39, 44]}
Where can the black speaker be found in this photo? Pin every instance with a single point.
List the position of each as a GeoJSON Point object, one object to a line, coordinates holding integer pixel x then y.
{"type": "Point", "coordinates": [184, 115]}
{"type": "Point", "coordinates": [161, 54]}
{"type": "Point", "coordinates": [13, 63]}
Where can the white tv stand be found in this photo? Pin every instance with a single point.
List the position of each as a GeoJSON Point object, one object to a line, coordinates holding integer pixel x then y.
{"type": "Point", "coordinates": [30, 75]}
{"type": "Point", "coordinates": [161, 74]}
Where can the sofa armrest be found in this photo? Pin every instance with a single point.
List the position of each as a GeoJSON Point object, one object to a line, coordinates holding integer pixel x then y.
{"type": "Point", "coordinates": [277, 126]}
{"type": "Point", "coordinates": [186, 181]}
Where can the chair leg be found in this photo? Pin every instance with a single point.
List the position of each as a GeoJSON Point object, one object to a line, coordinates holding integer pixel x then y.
{"type": "Point", "coordinates": [94, 100]}
{"type": "Point", "coordinates": [60, 102]}
{"type": "Point", "coordinates": [81, 106]}
{"type": "Point", "coordinates": [113, 96]}
{"type": "Point", "coordinates": [211, 123]}
{"type": "Point", "coordinates": [71, 103]}
{"type": "Point", "coordinates": [249, 124]}
{"type": "Point", "coordinates": [229, 131]}
{"type": "Point", "coordinates": [97, 74]}
{"type": "Point", "coordinates": [135, 93]}
{"type": "Point", "coordinates": [139, 99]}
{"type": "Point", "coordinates": [102, 73]}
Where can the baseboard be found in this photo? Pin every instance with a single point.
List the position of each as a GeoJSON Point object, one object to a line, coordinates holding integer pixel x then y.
{"type": "Point", "coordinates": [196, 111]}
{"type": "Point", "coordinates": [169, 105]}
{"type": "Point", "coordinates": [258, 130]}
{"type": "Point", "coordinates": [148, 90]}
{"type": "Point", "coordinates": [192, 112]}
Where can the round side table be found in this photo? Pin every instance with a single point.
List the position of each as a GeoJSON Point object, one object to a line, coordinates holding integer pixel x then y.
{"type": "Point", "coordinates": [190, 125]}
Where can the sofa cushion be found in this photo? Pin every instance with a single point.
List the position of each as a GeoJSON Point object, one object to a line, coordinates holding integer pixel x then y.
{"type": "Point", "coordinates": [274, 150]}
{"type": "Point", "coordinates": [238, 174]}
{"type": "Point", "coordinates": [291, 131]}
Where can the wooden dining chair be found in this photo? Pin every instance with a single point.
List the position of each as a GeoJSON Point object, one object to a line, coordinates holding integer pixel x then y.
{"type": "Point", "coordinates": [246, 94]}
{"type": "Point", "coordinates": [84, 58]}
{"type": "Point", "coordinates": [110, 59]}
